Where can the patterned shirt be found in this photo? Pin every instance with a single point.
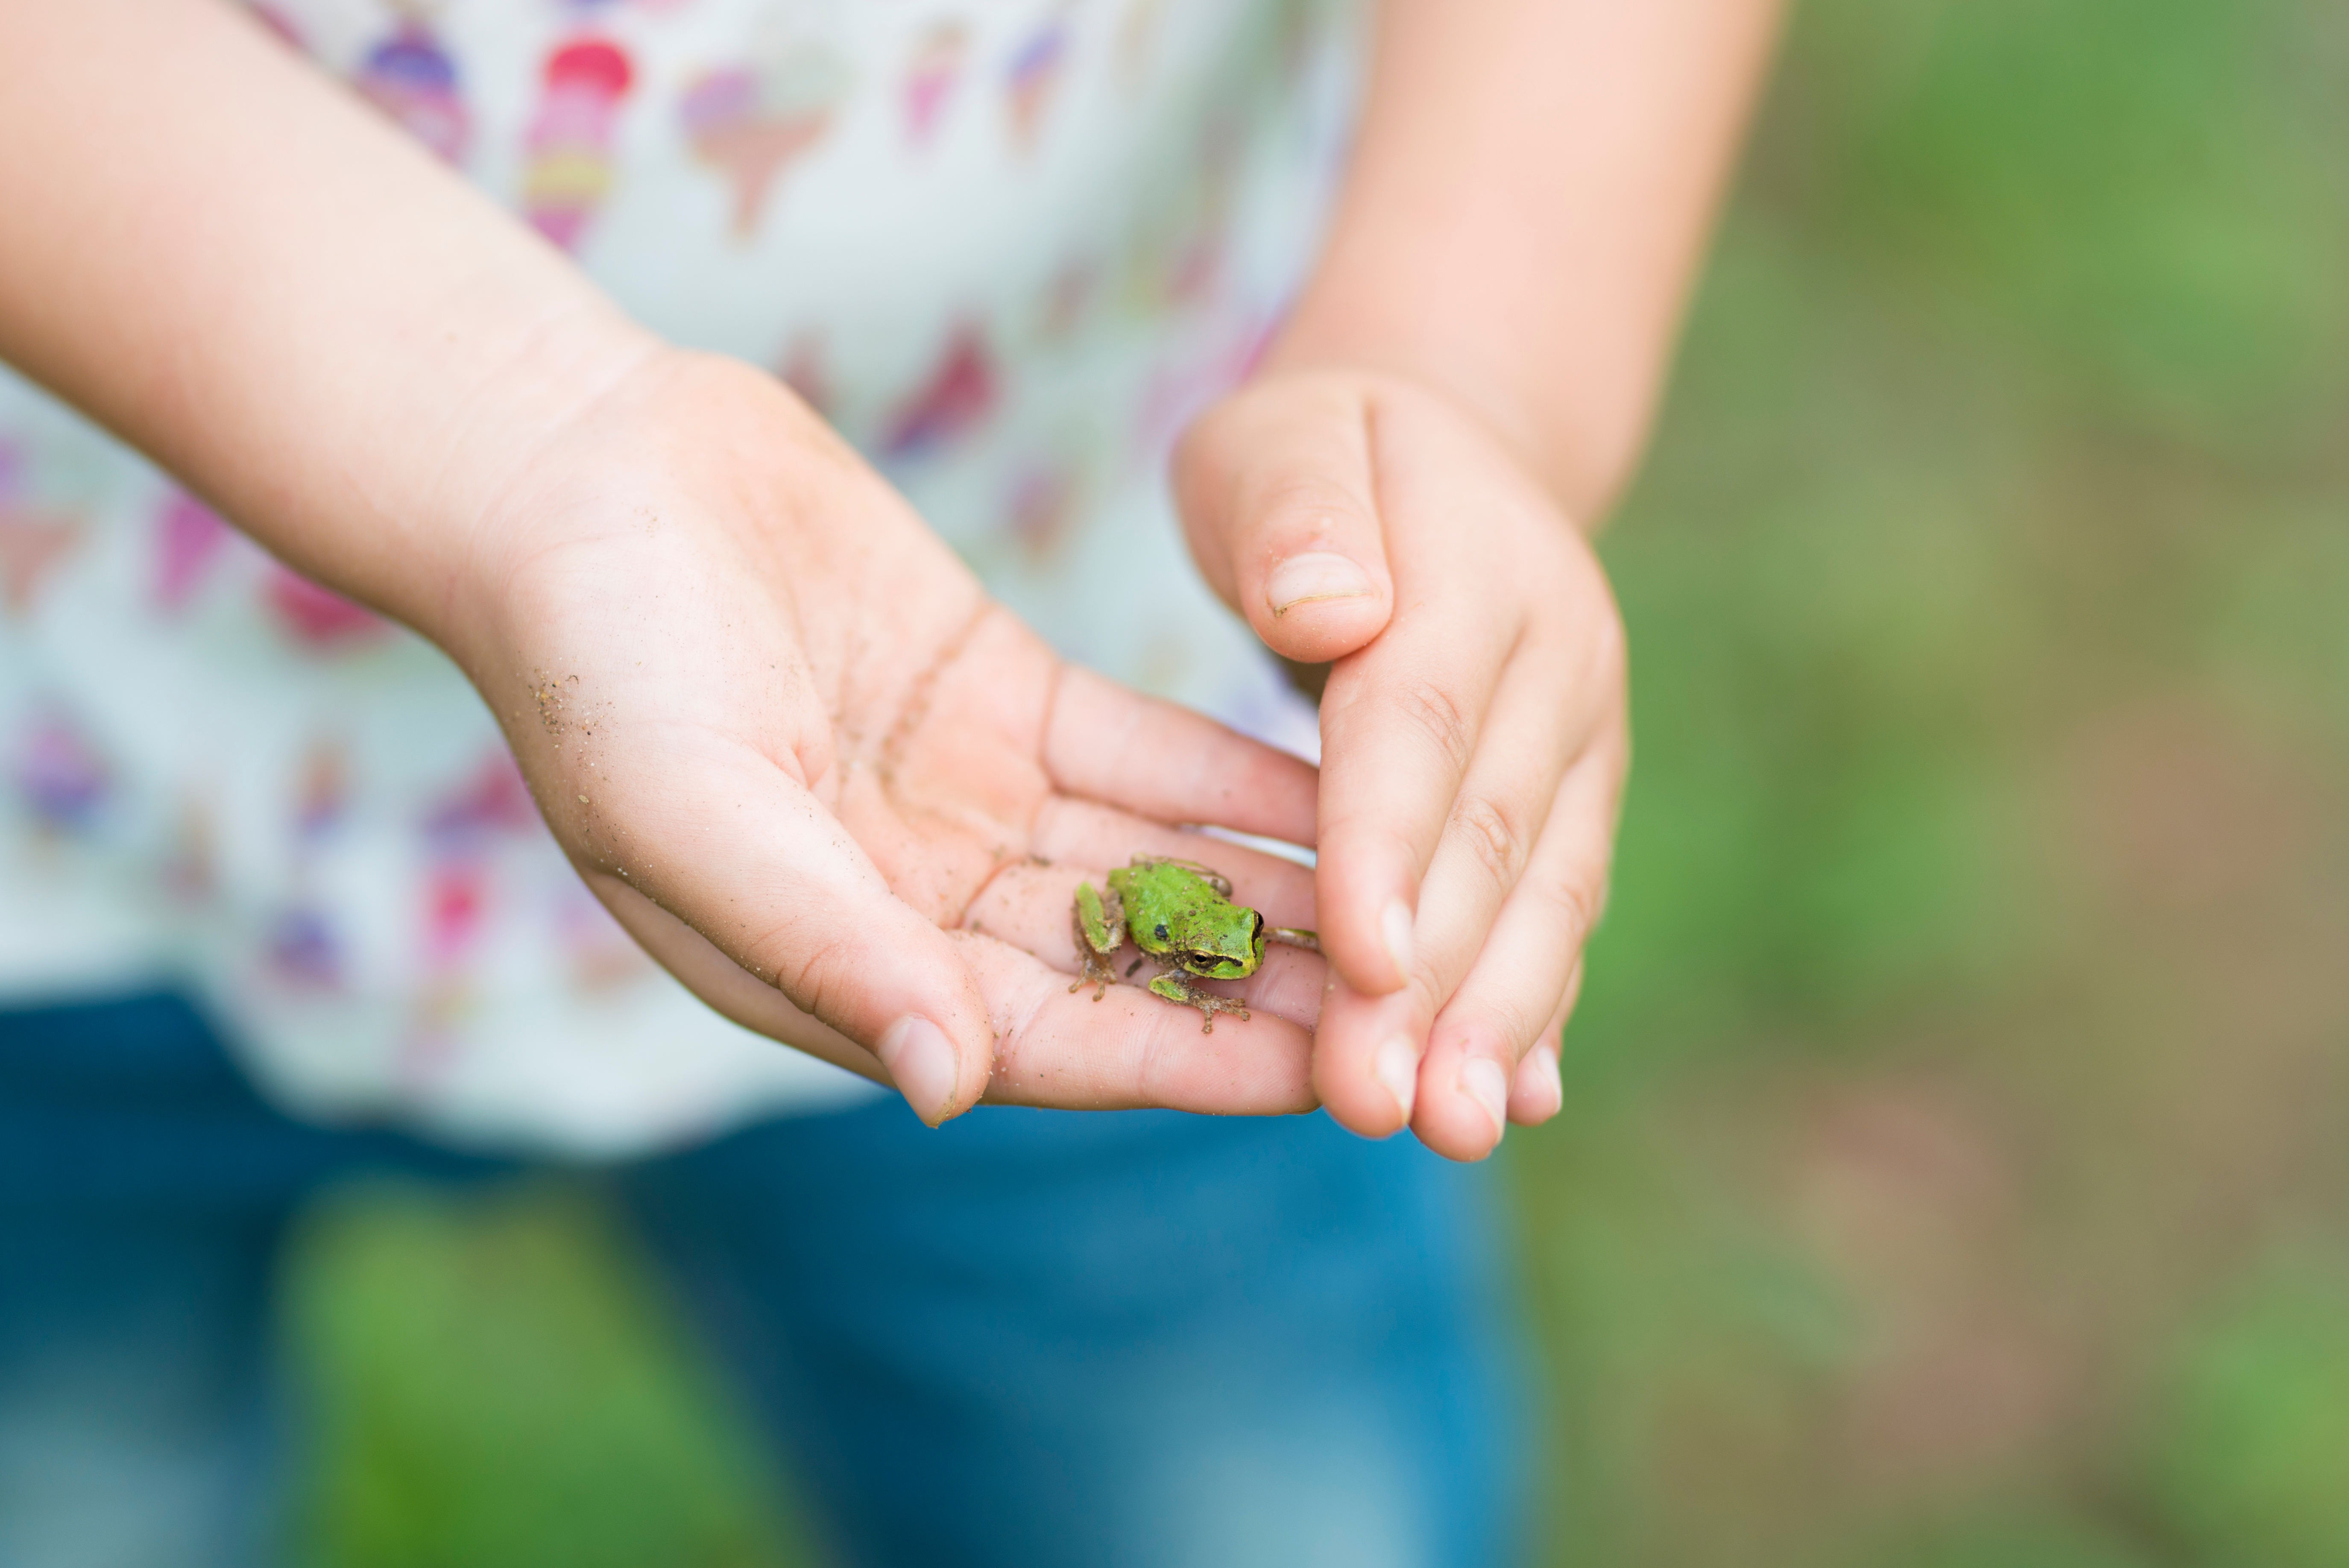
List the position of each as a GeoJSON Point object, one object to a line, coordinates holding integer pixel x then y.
{"type": "Point", "coordinates": [1007, 246]}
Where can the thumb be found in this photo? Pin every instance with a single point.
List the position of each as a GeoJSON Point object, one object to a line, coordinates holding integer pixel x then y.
{"type": "Point", "coordinates": [1278, 496]}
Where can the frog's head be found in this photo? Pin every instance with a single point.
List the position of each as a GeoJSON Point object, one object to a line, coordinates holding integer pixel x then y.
{"type": "Point", "coordinates": [1218, 940]}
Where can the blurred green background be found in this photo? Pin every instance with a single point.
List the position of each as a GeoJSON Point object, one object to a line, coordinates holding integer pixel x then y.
{"type": "Point", "coordinates": [1956, 1165]}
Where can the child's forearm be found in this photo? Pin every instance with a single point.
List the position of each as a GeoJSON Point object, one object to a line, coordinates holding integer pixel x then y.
{"type": "Point", "coordinates": [1532, 184]}
{"type": "Point", "coordinates": [239, 268]}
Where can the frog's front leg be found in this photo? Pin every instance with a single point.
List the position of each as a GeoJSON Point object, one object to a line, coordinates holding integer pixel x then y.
{"type": "Point", "coordinates": [1176, 986]}
{"type": "Point", "coordinates": [1099, 919]}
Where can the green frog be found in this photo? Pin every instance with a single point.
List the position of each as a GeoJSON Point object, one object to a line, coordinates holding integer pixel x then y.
{"type": "Point", "coordinates": [1180, 914]}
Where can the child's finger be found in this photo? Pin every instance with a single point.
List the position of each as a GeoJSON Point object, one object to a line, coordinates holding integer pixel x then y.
{"type": "Point", "coordinates": [740, 852]}
{"type": "Point", "coordinates": [1171, 765]}
{"type": "Point", "coordinates": [1537, 1093]}
{"type": "Point", "coordinates": [1380, 1063]}
{"type": "Point", "coordinates": [1541, 719]}
{"type": "Point", "coordinates": [1521, 976]}
{"type": "Point", "coordinates": [1400, 723]}
{"type": "Point", "coordinates": [1366, 1055]}
{"type": "Point", "coordinates": [1280, 504]}
{"type": "Point", "coordinates": [1052, 1048]}
{"type": "Point", "coordinates": [1130, 1049]}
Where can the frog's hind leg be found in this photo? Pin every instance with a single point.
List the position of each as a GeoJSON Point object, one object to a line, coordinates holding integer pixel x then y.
{"type": "Point", "coordinates": [1098, 920]}
{"type": "Point", "coordinates": [1291, 936]}
{"type": "Point", "coordinates": [1176, 986]}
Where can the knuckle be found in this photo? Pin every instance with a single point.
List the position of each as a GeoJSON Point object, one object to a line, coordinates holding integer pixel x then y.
{"type": "Point", "coordinates": [812, 973]}
{"type": "Point", "coordinates": [1490, 833]}
{"type": "Point", "coordinates": [1515, 1024]}
{"type": "Point", "coordinates": [1579, 902]}
{"type": "Point", "coordinates": [1437, 718]}
{"type": "Point", "coordinates": [1510, 1014]}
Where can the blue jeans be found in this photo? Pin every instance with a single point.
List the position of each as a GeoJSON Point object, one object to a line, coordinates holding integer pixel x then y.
{"type": "Point", "coordinates": [1028, 1338]}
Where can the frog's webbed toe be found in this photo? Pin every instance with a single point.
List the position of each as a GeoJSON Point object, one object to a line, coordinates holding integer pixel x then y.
{"type": "Point", "coordinates": [1098, 974]}
{"type": "Point", "coordinates": [1291, 936]}
{"type": "Point", "coordinates": [1176, 986]}
{"type": "Point", "coordinates": [1209, 1005]}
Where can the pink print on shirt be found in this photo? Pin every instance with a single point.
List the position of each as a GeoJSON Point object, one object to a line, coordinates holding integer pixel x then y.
{"type": "Point", "coordinates": [317, 619]}
{"type": "Point", "coordinates": [189, 536]}
{"type": "Point", "coordinates": [1033, 77]}
{"type": "Point", "coordinates": [59, 775]}
{"type": "Point", "coordinates": [571, 138]}
{"type": "Point", "coordinates": [955, 401]}
{"type": "Point", "coordinates": [35, 539]}
{"type": "Point", "coordinates": [752, 122]}
{"type": "Point", "coordinates": [411, 79]}
{"type": "Point", "coordinates": [931, 78]}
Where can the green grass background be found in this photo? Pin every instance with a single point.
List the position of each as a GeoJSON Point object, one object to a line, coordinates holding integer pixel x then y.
{"type": "Point", "coordinates": [1956, 1165]}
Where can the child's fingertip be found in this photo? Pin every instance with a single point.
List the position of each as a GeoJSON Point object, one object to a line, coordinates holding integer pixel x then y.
{"type": "Point", "coordinates": [1537, 1093]}
{"type": "Point", "coordinates": [1484, 1083]}
{"type": "Point", "coordinates": [1315, 577]}
{"type": "Point", "coordinates": [923, 1065]}
{"type": "Point", "coordinates": [1395, 935]}
{"type": "Point", "coordinates": [1320, 605]}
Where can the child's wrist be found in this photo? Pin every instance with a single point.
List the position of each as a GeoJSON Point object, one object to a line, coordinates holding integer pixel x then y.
{"type": "Point", "coordinates": [500, 442]}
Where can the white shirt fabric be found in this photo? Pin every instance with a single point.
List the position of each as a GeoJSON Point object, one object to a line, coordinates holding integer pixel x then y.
{"type": "Point", "coordinates": [1008, 246]}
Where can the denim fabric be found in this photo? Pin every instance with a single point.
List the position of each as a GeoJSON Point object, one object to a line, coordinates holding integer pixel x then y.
{"type": "Point", "coordinates": [1029, 1337]}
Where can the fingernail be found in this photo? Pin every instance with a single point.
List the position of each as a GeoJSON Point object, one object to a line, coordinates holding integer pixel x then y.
{"type": "Point", "coordinates": [1315, 574]}
{"type": "Point", "coordinates": [921, 1062]}
{"type": "Point", "coordinates": [1545, 1066]}
{"type": "Point", "coordinates": [1483, 1081]}
{"type": "Point", "coordinates": [1394, 929]}
{"type": "Point", "coordinates": [1397, 1067]}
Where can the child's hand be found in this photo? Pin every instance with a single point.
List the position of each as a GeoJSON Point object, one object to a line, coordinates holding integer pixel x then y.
{"type": "Point", "coordinates": [1473, 733]}
{"type": "Point", "coordinates": [784, 734]}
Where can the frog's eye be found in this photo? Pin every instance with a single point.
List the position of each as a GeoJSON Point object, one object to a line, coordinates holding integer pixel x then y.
{"type": "Point", "coordinates": [1214, 961]}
